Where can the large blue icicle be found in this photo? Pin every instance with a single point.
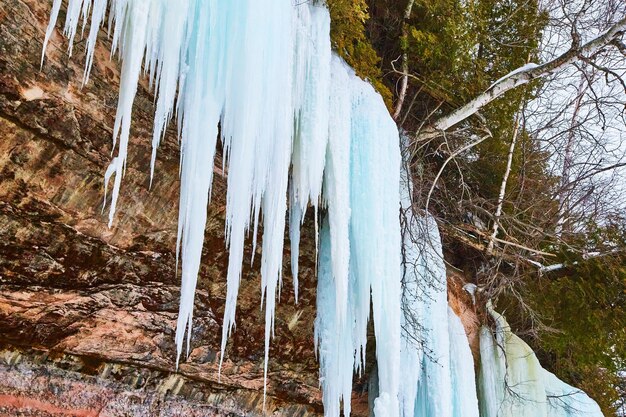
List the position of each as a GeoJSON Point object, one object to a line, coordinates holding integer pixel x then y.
{"type": "Point", "coordinates": [362, 233]}
{"type": "Point", "coordinates": [262, 70]}
{"type": "Point", "coordinates": [375, 234]}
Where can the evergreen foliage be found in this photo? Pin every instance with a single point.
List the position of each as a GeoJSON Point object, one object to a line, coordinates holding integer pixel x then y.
{"type": "Point", "coordinates": [350, 41]}
{"type": "Point", "coordinates": [585, 305]}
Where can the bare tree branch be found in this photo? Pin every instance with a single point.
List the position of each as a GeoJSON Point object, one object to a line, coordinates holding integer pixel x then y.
{"type": "Point", "coordinates": [521, 76]}
{"type": "Point", "coordinates": [450, 158]}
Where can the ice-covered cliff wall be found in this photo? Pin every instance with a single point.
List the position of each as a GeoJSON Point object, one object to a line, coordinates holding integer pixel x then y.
{"type": "Point", "coordinates": [298, 128]}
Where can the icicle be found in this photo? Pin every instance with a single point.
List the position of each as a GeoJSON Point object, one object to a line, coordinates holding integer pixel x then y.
{"type": "Point", "coordinates": [198, 142]}
{"type": "Point", "coordinates": [134, 41]}
{"type": "Point", "coordinates": [311, 91]}
{"type": "Point", "coordinates": [311, 103]}
{"type": "Point", "coordinates": [375, 232]}
{"type": "Point", "coordinates": [54, 15]}
{"type": "Point", "coordinates": [362, 232]}
{"type": "Point", "coordinates": [72, 18]}
{"type": "Point", "coordinates": [171, 68]}
{"type": "Point", "coordinates": [262, 70]}
{"type": "Point", "coordinates": [333, 339]}
{"type": "Point", "coordinates": [98, 11]}
{"type": "Point", "coordinates": [295, 218]}
{"type": "Point", "coordinates": [337, 183]}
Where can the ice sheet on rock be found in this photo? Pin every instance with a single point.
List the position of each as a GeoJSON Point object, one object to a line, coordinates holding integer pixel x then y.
{"type": "Point", "coordinates": [434, 396]}
{"type": "Point", "coordinates": [427, 385]}
{"type": "Point", "coordinates": [411, 350]}
{"type": "Point", "coordinates": [567, 401]}
{"type": "Point", "coordinates": [512, 382]}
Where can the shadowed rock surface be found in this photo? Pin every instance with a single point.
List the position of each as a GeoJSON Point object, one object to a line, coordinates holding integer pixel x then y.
{"type": "Point", "coordinates": [87, 313]}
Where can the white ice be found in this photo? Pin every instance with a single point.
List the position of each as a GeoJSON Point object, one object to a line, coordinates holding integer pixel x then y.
{"type": "Point", "coordinates": [464, 397]}
{"type": "Point", "coordinates": [512, 382]}
{"type": "Point", "coordinates": [436, 361]}
{"type": "Point", "coordinates": [359, 263]}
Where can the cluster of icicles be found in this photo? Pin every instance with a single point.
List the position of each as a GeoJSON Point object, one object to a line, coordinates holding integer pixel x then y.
{"type": "Point", "coordinates": [298, 130]}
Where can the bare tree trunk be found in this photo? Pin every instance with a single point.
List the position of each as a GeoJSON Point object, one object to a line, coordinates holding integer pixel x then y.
{"type": "Point", "coordinates": [405, 60]}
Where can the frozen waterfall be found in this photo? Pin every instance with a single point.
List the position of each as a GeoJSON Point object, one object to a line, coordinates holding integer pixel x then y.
{"type": "Point", "coordinates": [299, 129]}
{"type": "Point", "coordinates": [512, 382]}
{"type": "Point", "coordinates": [438, 367]}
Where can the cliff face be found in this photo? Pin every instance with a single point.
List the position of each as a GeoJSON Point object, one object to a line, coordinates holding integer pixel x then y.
{"type": "Point", "coordinates": [87, 313]}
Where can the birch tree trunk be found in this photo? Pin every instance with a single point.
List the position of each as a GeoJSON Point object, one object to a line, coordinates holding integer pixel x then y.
{"type": "Point", "coordinates": [505, 179]}
{"type": "Point", "coordinates": [522, 76]}
{"type": "Point", "coordinates": [568, 161]}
